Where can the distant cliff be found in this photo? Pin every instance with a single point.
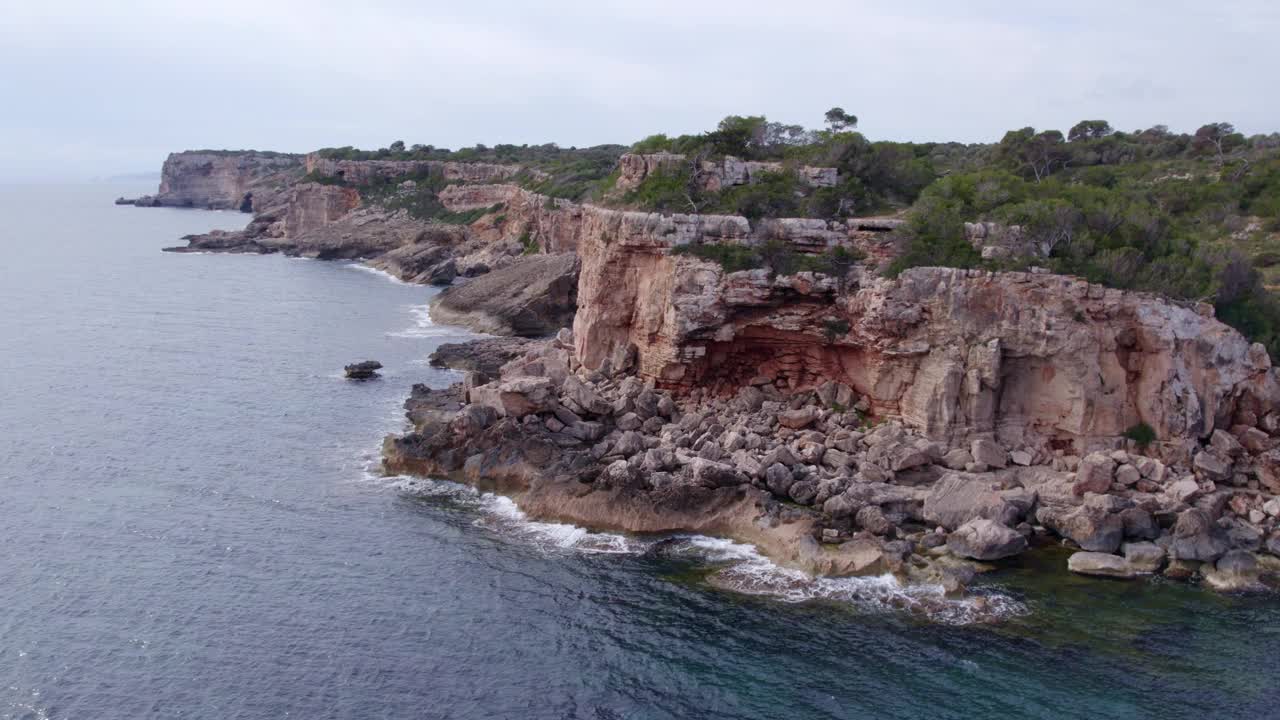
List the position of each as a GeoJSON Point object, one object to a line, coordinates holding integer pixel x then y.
{"type": "Point", "coordinates": [248, 181]}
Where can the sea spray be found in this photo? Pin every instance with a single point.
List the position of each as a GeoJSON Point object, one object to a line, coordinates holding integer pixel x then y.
{"type": "Point", "coordinates": [737, 567]}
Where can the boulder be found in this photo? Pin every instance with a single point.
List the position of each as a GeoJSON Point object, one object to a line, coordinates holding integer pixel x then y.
{"type": "Point", "coordinates": [582, 398]}
{"type": "Point", "coordinates": [1093, 529]}
{"type": "Point", "coordinates": [1197, 537]}
{"type": "Point", "coordinates": [957, 459]}
{"type": "Point", "coordinates": [797, 419]}
{"type": "Point", "coordinates": [1209, 466]}
{"type": "Point", "coordinates": [1094, 474]}
{"type": "Point", "coordinates": [1128, 475]}
{"type": "Point", "coordinates": [1100, 564]}
{"type": "Point", "coordinates": [778, 479]}
{"type": "Point", "coordinates": [984, 539]}
{"type": "Point", "coordinates": [1235, 571]}
{"type": "Point", "coordinates": [715, 474]}
{"type": "Point", "coordinates": [1144, 557]}
{"type": "Point", "coordinates": [1185, 490]}
{"type": "Point", "coordinates": [871, 518]}
{"type": "Point", "coordinates": [989, 453]}
{"type": "Point", "coordinates": [362, 370]}
{"type": "Point", "coordinates": [956, 499]}
{"type": "Point", "coordinates": [516, 397]}
{"type": "Point", "coordinates": [630, 443]}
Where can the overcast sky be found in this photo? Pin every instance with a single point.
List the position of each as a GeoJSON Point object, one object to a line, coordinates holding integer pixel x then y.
{"type": "Point", "coordinates": [99, 88]}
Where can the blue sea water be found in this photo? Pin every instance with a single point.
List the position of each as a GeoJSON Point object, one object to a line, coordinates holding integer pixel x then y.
{"type": "Point", "coordinates": [192, 525]}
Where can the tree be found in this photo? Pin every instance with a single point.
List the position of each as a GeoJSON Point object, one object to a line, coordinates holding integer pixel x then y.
{"type": "Point", "coordinates": [1219, 138]}
{"type": "Point", "coordinates": [839, 120]}
{"type": "Point", "coordinates": [397, 146]}
{"type": "Point", "coordinates": [1038, 152]}
{"type": "Point", "coordinates": [1089, 130]}
{"type": "Point", "coordinates": [736, 135]}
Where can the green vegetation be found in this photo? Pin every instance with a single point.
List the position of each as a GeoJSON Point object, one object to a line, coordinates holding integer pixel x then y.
{"type": "Point", "coordinates": [1174, 214]}
{"type": "Point", "coordinates": [779, 257]}
{"type": "Point", "coordinates": [529, 243]}
{"type": "Point", "coordinates": [1195, 216]}
{"type": "Point", "coordinates": [733, 258]}
{"type": "Point", "coordinates": [466, 217]}
{"type": "Point", "coordinates": [833, 328]}
{"type": "Point", "coordinates": [1142, 434]}
{"type": "Point", "coordinates": [570, 173]}
{"type": "Point", "coordinates": [874, 176]}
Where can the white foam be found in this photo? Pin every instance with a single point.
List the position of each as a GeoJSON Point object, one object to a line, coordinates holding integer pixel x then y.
{"type": "Point", "coordinates": [747, 571]}
{"type": "Point", "coordinates": [500, 514]}
{"type": "Point", "coordinates": [375, 271]}
{"type": "Point", "coordinates": [742, 568]}
{"type": "Point", "coordinates": [503, 514]}
{"type": "Point", "coordinates": [425, 327]}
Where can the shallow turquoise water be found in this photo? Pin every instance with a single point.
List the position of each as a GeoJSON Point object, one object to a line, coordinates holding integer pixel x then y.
{"type": "Point", "coordinates": [189, 528]}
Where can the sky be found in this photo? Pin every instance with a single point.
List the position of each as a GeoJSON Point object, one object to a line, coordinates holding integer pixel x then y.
{"type": "Point", "coordinates": [94, 89]}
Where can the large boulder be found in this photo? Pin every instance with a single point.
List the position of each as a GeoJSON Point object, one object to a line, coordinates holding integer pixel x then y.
{"type": "Point", "coordinates": [984, 539]}
{"type": "Point", "coordinates": [1235, 571]}
{"type": "Point", "coordinates": [989, 453]}
{"type": "Point", "coordinates": [1197, 537]}
{"type": "Point", "coordinates": [1094, 474]}
{"type": "Point", "coordinates": [958, 498]}
{"type": "Point", "coordinates": [1101, 564]}
{"type": "Point", "coordinates": [516, 397]}
{"type": "Point", "coordinates": [1144, 557]}
{"type": "Point", "coordinates": [1092, 528]}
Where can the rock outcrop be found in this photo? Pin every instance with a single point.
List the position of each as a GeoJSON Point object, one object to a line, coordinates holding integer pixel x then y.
{"type": "Point", "coordinates": [714, 176]}
{"type": "Point", "coordinates": [248, 181]}
{"type": "Point", "coordinates": [533, 295]}
{"type": "Point", "coordinates": [363, 172]}
{"type": "Point", "coordinates": [956, 353]}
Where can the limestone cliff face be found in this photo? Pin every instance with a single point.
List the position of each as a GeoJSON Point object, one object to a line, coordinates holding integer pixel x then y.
{"type": "Point", "coordinates": [311, 206]}
{"type": "Point", "coordinates": [247, 181]}
{"type": "Point", "coordinates": [955, 353]}
{"type": "Point", "coordinates": [715, 175]}
{"type": "Point", "coordinates": [360, 172]}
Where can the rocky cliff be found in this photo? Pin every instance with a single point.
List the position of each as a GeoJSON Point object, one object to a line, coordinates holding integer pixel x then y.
{"type": "Point", "coordinates": [247, 181]}
{"type": "Point", "coordinates": [714, 176]}
{"type": "Point", "coordinates": [844, 421]}
{"type": "Point", "coordinates": [955, 353]}
{"type": "Point", "coordinates": [363, 172]}
{"type": "Point", "coordinates": [854, 423]}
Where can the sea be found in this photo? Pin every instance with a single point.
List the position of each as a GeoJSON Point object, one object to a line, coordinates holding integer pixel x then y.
{"type": "Point", "coordinates": [194, 524]}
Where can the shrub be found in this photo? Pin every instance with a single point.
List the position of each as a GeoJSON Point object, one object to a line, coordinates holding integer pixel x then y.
{"type": "Point", "coordinates": [529, 244]}
{"type": "Point", "coordinates": [733, 258]}
{"type": "Point", "coordinates": [1141, 434]}
{"type": "Point", "coordinates": [833, 328]}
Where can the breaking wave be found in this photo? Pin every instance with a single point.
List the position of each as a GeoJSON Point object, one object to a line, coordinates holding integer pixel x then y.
{"type": "Point", "coordinates": [746, 571]}
{"type": "Point", "coordinates": [738, 567]}
{"type": "Point", "coordinates": [382, 273]}
{"type": "Point", "coordinates": [425, 327]}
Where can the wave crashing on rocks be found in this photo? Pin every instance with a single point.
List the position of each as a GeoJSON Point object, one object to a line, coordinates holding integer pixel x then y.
{"type": "Point", "coordinates": [737, 567]}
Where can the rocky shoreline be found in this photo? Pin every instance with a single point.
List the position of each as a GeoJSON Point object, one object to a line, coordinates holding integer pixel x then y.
{"type": "Point", "coordinates": [843, 422]}
{"type": "Point", "coordinates": [813, 485]}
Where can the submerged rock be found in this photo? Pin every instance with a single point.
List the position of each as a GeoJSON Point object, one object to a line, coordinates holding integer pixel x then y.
{"type": "Point", "coordinates": [1100, 564]}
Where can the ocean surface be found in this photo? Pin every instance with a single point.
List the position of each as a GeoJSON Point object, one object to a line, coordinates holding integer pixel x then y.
{"type": "Point", "coordinates": [192, 525]}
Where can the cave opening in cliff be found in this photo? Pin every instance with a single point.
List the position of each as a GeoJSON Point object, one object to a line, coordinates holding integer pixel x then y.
{"type": "Point", "coordinates": [246, 203]}
{"type": "Point", "coordinates": [790, 361]}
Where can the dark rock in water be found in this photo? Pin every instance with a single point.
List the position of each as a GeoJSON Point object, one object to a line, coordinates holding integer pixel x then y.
{"type": "Point", "coordinates": [363, 370]}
